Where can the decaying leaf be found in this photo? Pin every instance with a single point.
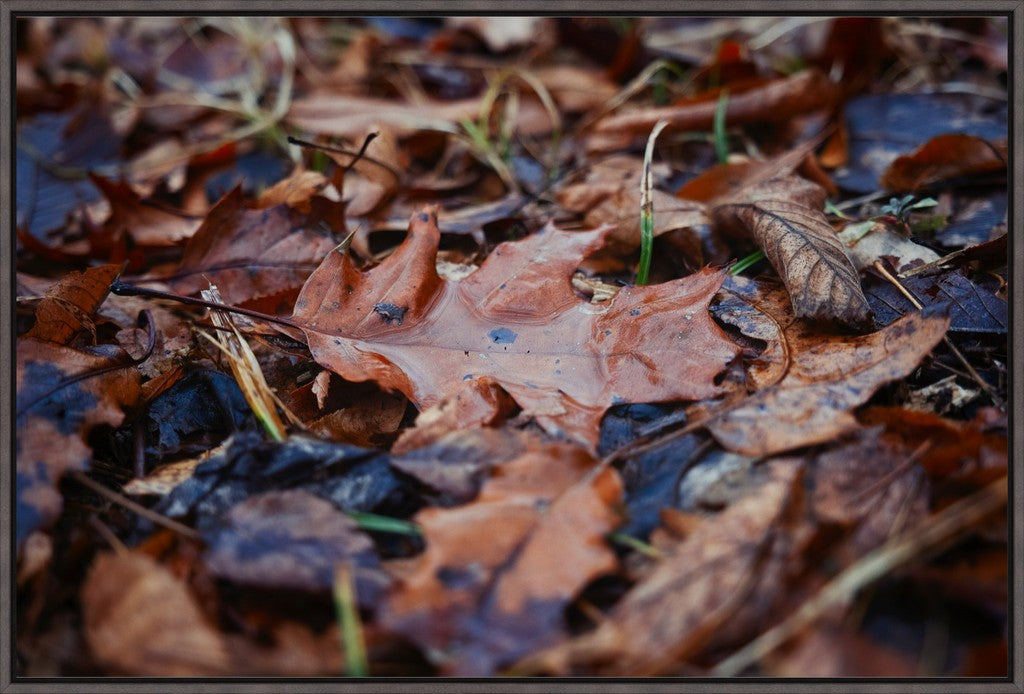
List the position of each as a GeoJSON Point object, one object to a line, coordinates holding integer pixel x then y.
{"type": "Point", "coordinates": [777, 101]}
{"type": "Point", "coordinates": [142, 621]}
{"type": "Point", "coordinates": [488, 578]}
{"type": "Point", "coordinates": [291, 539]}
{"type": "Point", "coordinates": [697, 587]}
{"type": "Point", "coordinates": [785, 216]}
{"type": "Point", "coordinates": [68, 306]}
{"type": "Point", "coordinates": [517, 321]}
{"type": "Point", "coordinates": [972, 308]}
{"type": "Point", "coordinates": [146, 223]}
{"type": "Point", "coordinates": [828, 376]}
{"type": "Point", "coordinates": [62, 395]}
{"type": "Point", "coordinates": [944, 157]}
{"type": "Point", "coordinates": [248, 253]}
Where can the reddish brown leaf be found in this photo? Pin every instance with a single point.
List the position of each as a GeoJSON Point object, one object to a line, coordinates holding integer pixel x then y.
{"type": "Point", "coordinates": [785, 216]}
{"type": "Point", "coordinates": [142, 621]}
{"type": "Point", "coordinates": [56, 410]}
{"type": "Point", "coordinates": [517, 321]}
{"type": "Point", "coordinates": [774, 102]}
{"type": "Point", "coordinates": [828, 376]}
{"type": "Point", "coordinates": [701, 583]}
{"type": "Point", "coordinates": [68, 306]}
{"type": "Point", "coordinates": [479, 596]}
{"type": "Point", "coordinates": [145, 222]}
{"type": "Point", "coordinates": [610, 194]}
{"type": "Point", "coordinates": [944, 157]}
{"type": "Point", "coordinates": [249, 254]}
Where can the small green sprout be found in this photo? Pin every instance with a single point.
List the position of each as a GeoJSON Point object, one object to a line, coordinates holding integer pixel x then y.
{"type": "Point", "coordinates": [721, 141]}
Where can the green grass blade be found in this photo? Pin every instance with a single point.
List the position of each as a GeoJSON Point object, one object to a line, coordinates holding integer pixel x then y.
{"type": "Point", "coordinates": [744, 263]}
{"type": "Point", "coordinates": [721, 141]}
{"type": "Point", "coordinates": [385, 524]}
{"type": "Point", "coordinates": [349, 625]}
{"type": "Point", "coordinates": [647, 208]}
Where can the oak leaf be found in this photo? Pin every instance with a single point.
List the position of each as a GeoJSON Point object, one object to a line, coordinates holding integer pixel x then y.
{"type": "Point", "coordinates": [517, 321]}
{"type": "Point", "coordinates": [68, 306]}
{"type": "Point", "coordinates": [490, 585]}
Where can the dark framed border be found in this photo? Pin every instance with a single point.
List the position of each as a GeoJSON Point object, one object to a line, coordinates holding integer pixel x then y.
{"type": "Point", "coordinates": [10, 10]}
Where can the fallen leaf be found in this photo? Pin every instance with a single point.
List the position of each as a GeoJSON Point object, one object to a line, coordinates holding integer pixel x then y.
{"type": "Point", "coordinates": [67, 307]}
{"type": "Point", "coordinates": [702, 581]}
{"type": "Point", "coordinates": [142, 621]}
{"type": "Point", "coordinates": [475, 595]}
{"type": "Point", "coordinates": [972, 308]}
{"type": "Point", "coordinates": [883, 126]}
{"type": "Point", "coordinates": [249, 253]}
{"type": "Point", "coordinates": [610, 194]}
{"type": "Point", "coordinates": [517, 321]}
{"type": "Point", "coordinates": [944, 157]}
{"type": "Point", "coordinates": [58, 403]}
{"type": "Point", "coordinates": [145, 222]}
{"type": "Point", "coordinates": [882, 242]}
{"type": "Point", "coordinates": [501, 33]}
{"type": "Point", "coordinates": [291, 539]}
{"type": "Point", "coordinates": [351, 478]}
{"type": "Point", "coordinates": [828, 376]}
{"type": "Point", "coordinates": [777, 101]}
{"type": "Point", "coordinates": [785, 216]}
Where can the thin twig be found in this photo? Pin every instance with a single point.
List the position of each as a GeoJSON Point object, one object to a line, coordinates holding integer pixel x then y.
{"type": "Point", "coordinates": [139, 509]}
{"type": "Point", "coordinates": [943, 528]}
{"type": "Point", "coordinates": [998, 401]}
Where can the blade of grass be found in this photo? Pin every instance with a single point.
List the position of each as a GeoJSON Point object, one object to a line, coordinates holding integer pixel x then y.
{"type": "Point", "coordinates": [647, 208]}
{"type": "Point", "coordinates": [744, 263]}
{"type": "Point", "coordinates": [350, 627]}
{"type": "Point", "coordinates": [721, 141]}
{"type": "Point", "coordinates": [637, 544]}
{"type": "Point", "coordinates": [385, 524]}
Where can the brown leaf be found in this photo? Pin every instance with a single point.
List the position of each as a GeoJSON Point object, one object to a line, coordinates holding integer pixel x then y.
{"type": "Point", "coordinates": [145, 222]}
{"type": "Point", "coordinates": [330, 113]}
{"type": "Point", "coordinates": [785, 216]}
{"type": "Point", "coordinates": [677, 608]}
{"type": "Point", "coordinates": [68, 306]}
{"type": "Point", "coordinates": [295, 191]}
{"type": "Point", "coordinates": [249, 253]}
{"type": "Point", "coordinates": [291, 539]}
{"type": "Point", "coordinates": [56, 410]}
{"type": "Point", "coordinates": [517, 321]}
{"type": "Point", "coordinates": [479, 596]}
{"type": "Point", "coordinates": [610, 194]}
{"type": "Point", "coordinates": [828, 376]}
{"type": "Point", "coordinates": [142, 621]}
{"type": "Point", "coordinates": [777, 101]}
{"type": "Point", "coordinates": [944, 157]}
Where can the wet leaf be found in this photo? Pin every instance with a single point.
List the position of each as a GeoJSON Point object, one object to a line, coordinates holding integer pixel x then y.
{"type": "Point", "coordinates": [882, 127]}
{"type": "Point", "coordinates": [516, 321]}
{"type": "Point", "coordinates": [828, 376]}
{"type": "Point", "coordinates": [291, 539]}
{"type": "Point", "coordinates": [676, 609]}
{"type": "Point", "coordinates": [944, 157]}
{"type": "Point", "coordinates": [59, 402]}
{"type": "Point", "coordinates": [777, 101]}
{"type": "Point", "coordinates": [786, 219]}
{"type": "Point", "coordinates": [67, 307]}
{"type": "Point", "coordinates": [142, 621]}
{"type": "Point", "coordinates": [477, 598]}
{"type": "Point", "coordinates": [972, 308]}
{"type": "Point", "coordinates": [142, 220]}
{"type": "Point", "coordinates": [249, 253]}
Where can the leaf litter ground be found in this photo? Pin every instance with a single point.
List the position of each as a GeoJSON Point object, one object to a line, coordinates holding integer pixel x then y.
{"type": "Point", "coordinates": [443, 429]}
